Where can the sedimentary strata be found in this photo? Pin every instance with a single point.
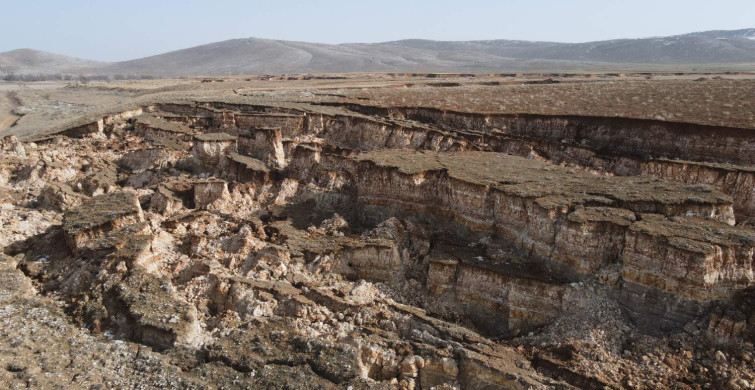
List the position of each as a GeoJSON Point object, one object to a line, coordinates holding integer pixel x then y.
{"type": "Point", "coordinates": [334, 245]}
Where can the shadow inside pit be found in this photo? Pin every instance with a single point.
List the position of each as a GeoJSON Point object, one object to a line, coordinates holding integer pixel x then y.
{"type": "Point", "coordinates": [42, 247]}
{"type": "Point", "coordinates": [307, 213]}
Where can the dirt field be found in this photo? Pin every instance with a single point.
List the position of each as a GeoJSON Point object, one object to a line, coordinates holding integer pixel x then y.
{"type": "Point", "coordinates": [712, 99]}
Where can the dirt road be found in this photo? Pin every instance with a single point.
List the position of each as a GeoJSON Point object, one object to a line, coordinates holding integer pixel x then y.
{"type": "Point", "coordinates": [8, 102]}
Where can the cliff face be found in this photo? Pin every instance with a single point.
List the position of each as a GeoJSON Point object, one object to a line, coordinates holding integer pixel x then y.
{"type": "Point", "coordinates": [680, 152]}
{"type": "Point", "coordinates": [265, 144]}
{"type": "Point", "coordinates": [618, 136]}
{"type": "Point", "coordinates": [496, 301]}
{"type": "Point", "coordinates": [542, 212]}
{"type": "Point", "coordinates": [653, 232]}
{"type": "Point", "coordinates": [737, 182]}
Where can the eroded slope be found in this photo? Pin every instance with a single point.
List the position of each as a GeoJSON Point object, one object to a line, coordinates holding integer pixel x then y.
{"type": "Point", "coordinates": [262, 243]}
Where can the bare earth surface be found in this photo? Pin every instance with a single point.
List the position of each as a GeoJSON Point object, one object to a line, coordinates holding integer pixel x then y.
{"type": "Point", "coordinates": [379, 231]}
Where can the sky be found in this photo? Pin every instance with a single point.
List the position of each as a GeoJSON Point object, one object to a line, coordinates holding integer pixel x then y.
{"type": "Point", "coordinates": [108, 30]}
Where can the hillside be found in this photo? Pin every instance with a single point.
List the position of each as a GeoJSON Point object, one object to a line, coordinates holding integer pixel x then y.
{"type": "Point", "coordinates": [711, 47]}
{"type": "Point", "coordinates": [35, 61]}
{"type": "Point", "coordinates": [263, 56]}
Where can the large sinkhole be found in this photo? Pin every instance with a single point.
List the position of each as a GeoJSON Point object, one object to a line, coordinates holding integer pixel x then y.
{"type": "Point", "coordinates": [395, 246]}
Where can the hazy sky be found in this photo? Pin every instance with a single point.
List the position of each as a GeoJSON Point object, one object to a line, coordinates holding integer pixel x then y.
{"type": "Point", "coordinates": [119, 30]}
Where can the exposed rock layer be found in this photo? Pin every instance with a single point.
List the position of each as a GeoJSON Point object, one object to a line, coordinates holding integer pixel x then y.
{"type": "Point", "coordinates": [269, 244]}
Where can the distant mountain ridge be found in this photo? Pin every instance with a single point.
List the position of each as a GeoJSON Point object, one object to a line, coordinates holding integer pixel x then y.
{"type": "Point", "coordinates": [35, 61]}
{"type": "Point", "coordinates": [265, 56]}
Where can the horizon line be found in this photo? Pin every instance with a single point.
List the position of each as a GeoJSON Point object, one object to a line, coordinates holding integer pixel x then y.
{"type": "Point", "coordinates": [373, 43]}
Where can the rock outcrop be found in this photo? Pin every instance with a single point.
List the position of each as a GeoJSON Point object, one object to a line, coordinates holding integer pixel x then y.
{"type": "Point", "coordinates": [102, 222]}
